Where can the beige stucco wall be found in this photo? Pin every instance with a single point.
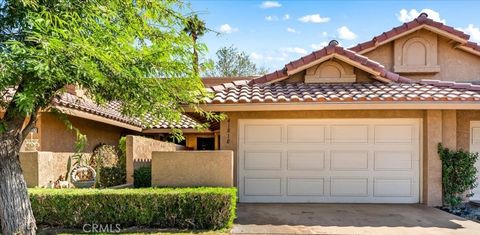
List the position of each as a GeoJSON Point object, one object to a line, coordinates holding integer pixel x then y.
{"type": "Point", "coordinates": [455, 64]}
{"type": "Point", "coordinates": [40, 168]}
{"type": "Point", "coordinates": [436, 128]}
{"type": "Point", "coordinates": [192, 168]}
{"type": "Point", "coordinates": [464, 117]}
{"type": "Point", "coordinates": [139, 152]}
{"type": "Point", "coordinates": [56, 137]}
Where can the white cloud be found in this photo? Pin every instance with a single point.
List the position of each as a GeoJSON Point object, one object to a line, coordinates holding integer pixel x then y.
{"type": "Point", "coordinates": [319, 45]}
{"type": "Point", "coordinates": [286, 17]}
{"type": "Point", "coordinates": [226, 28]}
{"type": "Point", "coordinates": [291, 30]}
{"type": "Point", "coordinates": [297, 50]}
{"type": "Point", "coordinates": [269, 56]}
{"type": "Point", "coordinates": [405, 15]}
{"type": "Point", "coordinates": [256, 56]}
{"type": "Point", "coordinates": [270, 4]}
{"type": "Point", "coordinates": [324, 34]}
{"type": "Point", "coordinates": [271, 18]}
{"type": "Point", "coordinates": [473, 31]}
{"type": "Point", "coordinates": [345, 33]}
{"type": "Point", "coordinates": [316, 18]}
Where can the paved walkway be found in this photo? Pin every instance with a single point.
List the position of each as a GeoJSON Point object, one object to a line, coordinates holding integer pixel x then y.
{"type": "Point", "coordinates": [348, 219]}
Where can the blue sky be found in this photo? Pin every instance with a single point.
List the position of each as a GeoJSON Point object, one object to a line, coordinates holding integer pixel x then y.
{"type": "Point", "coordinates": [276, 32]}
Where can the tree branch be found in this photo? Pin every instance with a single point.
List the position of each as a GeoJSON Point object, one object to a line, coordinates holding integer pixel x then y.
{"type": "Point", "coordinates": [31, 124]}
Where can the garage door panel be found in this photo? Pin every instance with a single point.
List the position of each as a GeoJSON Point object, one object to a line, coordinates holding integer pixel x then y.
{"type": "Point", "coordinates": [394, 133]}
{"type": "Point", "coordinates": [306, 134]}
{"type": "Point", "coordinates": [305, 186]}
{"type": "Point", "coordinates": [349, 187]}
{"type": "Point", "coordinates": [475, 135]}
{"type": "Point", "coordinates": [349, 133]}
{"type": "Point", "coordinates": [329, 160]}
{"type": "Point", "coordinates": [393, 160]}
{"type": "Point", "coordinates": [263, 160]}
{"type": "Point", "coordinates": [263, 186]}
{"type": "Point", "coordinates": [391, 187]}
{"type": "Point", "coordinates": [349, 160]}
{"type": "Point", "coordinates": [259, 134]}
{"type": "Point", "coordinates": [305, 160]}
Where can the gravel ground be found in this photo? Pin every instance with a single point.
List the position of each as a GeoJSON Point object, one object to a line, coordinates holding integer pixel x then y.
{"type": "Point", "coordinates": [470, 210]}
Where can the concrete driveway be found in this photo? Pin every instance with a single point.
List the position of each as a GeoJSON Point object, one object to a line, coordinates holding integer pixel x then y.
{"type": "Point", "coordinates": [348, 219]}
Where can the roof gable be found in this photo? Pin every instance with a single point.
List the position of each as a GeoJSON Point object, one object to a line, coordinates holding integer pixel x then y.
{"type": "Point", "coordinates": [421, 22]}
{"type": "Point", "coordinates": [333, 50]}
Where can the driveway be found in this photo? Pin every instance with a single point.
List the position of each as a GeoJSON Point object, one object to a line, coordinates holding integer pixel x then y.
{"type": "Point", "coordinates": [348, 219]}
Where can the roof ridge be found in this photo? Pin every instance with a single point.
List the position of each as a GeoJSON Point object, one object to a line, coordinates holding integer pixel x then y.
{"type": "Point", "coordinates": [451, 84]}
{"type": "Point", "coordinates": [422, 19]}
{"type": "Point", "coordinates": [331, 48]}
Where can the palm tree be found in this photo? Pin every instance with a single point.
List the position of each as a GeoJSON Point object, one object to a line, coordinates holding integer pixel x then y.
{"type": "Point", "coordinates": [195, 28]}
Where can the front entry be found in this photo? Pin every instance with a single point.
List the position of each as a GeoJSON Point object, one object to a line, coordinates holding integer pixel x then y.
{"type": "Point", "coordinates": [475, 147]}
{"type": "Point", "coordinates": [329, 160]}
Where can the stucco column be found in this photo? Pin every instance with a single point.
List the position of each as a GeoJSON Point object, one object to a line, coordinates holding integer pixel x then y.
{"type": "Point", "coordinates": [432, 167]}
{"type": "Point", "coordinates": [449, 128]}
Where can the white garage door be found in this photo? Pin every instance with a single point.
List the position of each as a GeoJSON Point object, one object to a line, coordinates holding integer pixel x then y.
{"type": "Point", "coordinates": [475, 147]}
{"type": "Point", "coordinates": [329, 160]}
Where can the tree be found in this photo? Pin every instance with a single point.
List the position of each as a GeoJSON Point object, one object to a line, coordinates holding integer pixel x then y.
{"type": "Point", "coordinates": [133, 52]}
{"type": "Point", "coordinates": [233, 63]}
{"type": "Point", "coordinates": [195, 28]}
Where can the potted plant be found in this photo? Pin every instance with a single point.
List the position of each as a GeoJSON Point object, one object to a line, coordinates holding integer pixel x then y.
{"type": "Point", "coordinates": [81, 174]}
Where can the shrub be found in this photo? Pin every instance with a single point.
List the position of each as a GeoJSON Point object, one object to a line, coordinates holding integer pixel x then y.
{"type": "Point", "coordinates": [181, 208]}
{"type": "Point", "coordinates": [111, 176]}
{"type": "Point", "coordinates": [109, 165]}
{"type": "Point", "coordinates": [458, 174]}
{"type": "Point", "coordinates": [142, 177]}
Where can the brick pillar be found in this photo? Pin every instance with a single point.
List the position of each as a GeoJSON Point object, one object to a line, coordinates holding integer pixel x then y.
{"type": "Point", "coordinates": [432, 167]}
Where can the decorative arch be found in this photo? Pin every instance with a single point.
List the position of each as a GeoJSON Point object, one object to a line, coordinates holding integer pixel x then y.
{"type": "Point", "coordinates": [415, 52]}
{"type": "Point", "coordinates": [329, 71]}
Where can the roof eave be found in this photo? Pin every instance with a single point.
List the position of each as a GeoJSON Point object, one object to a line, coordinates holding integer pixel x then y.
{"type": "Point", "coordinates": [364, 105]}
{"type": "Point", "coordinates": [424, 26]}
{"type": "Point", "coordinates": [97, 118]}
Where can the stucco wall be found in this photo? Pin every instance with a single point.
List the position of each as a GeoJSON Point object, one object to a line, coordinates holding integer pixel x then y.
{"type": "Point", "coordinates": [39, 168]}
{"type": "Point", "coordinates": [435, 129]}
{"type": "Point", "coordinates": [192, 168]}
{"type": "Point", "coordinates": [464, 117]}
{"type": "Point", "coordinates": [455, 64]}
{"type": "Point", "coordinates": [139, 152]}
{"type": "Point", "coordinates": [56, 137]}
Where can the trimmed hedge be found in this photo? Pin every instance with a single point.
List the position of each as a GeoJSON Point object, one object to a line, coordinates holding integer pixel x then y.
{"type": "Point", "coordinates": [182, 208]}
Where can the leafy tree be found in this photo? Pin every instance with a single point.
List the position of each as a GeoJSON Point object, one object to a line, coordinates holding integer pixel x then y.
{"type": "Point", "coordinates": [195, 28]}
{"type": "Point", "coordinates": [111, 49]}
{"type": "Point", "coordinates": [234, 63]}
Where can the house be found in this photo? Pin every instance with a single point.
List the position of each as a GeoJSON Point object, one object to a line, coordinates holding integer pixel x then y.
{"type": "Point", "coordinates": [105, 124]}
{"type": "Point", "coordinates": [357, 125]}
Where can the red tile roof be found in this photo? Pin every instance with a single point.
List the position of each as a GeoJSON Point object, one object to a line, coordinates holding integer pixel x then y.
{"type": "Point", "coordinates": [332, 48]}
{"type": "Point", "coordinates": [421, 20]}
{"type": "Point", "coordinates": [112, 110]}
{"type": "Point", "coordinates": [345, 92]}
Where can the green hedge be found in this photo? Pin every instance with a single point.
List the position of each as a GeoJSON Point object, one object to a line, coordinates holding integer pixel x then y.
{"type": "Point", "coordinates": [182, 208]}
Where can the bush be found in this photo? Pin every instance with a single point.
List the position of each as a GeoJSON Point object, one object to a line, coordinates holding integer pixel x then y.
{"type": "Point", "coordinates": [458, 174]}
{"type": "Point", "coordinates": [111, 176]}
{"type": "Point", "coordinates": [109, 164]}
{"type": "Point", "coordinates": [180, 208]}
{"type": "Point", "coordinates": [142, 177]}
